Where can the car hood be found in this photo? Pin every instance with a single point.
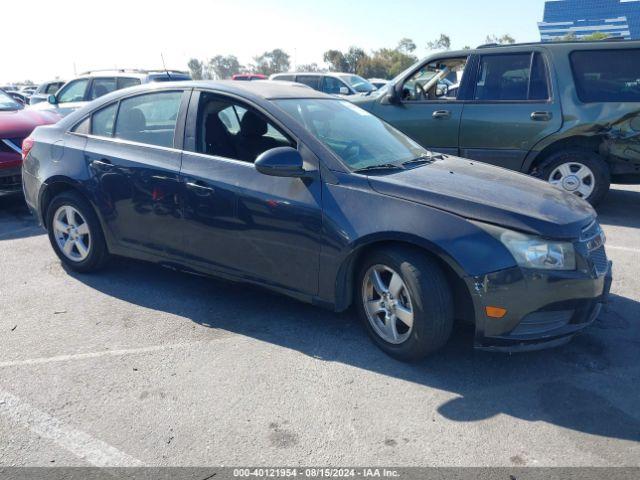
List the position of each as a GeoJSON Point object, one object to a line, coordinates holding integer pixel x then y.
{"type": "Point", "coordinates": [486, 193]}
{"type": "Point", "coordinates": [20, 123]}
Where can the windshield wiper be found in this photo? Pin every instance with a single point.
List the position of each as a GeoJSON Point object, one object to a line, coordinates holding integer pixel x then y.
{"type": "Point", "coordinates": [422, 159]}
{"type": "Point", "coordinates": [378, 168]}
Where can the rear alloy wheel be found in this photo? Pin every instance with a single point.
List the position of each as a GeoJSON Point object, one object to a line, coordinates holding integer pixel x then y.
{"type": "Point", "coordinates": [580, 172]}
{"type": "Point", "coordinates": [75, 233]}
{"type": "Point", "coordinates": [574, 178]}
{"type": "Point", "coordinates": [405, 302]}
{"type": "Point", "coordinates": [72, 233]}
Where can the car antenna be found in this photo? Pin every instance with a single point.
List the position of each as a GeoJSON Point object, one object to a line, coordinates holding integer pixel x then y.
{"type": "Point", "coordinates": [164, 66]}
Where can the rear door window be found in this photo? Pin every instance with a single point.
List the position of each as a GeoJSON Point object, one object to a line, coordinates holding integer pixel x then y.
{"type": "Point", "coordinates": [102, 86]}
{"type": "Point", "coordinates": [512, 77]}
{"type": "Point", "coordinates": [149, 119]}
{"type": "Point", "coordinates": [125, 82]}
{"type": "Point", "coordinates": [607, 75]}
{"type": "Point", "coordinates": [312, 81]}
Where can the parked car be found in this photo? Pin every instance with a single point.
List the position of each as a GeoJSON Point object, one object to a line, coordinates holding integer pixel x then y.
{"type": "Point", "coordinates": [248, 76]}
{"type": "Point", "coordinates": [566, 112]}
{"type": "Point", "coordinates": [28, 90]}
{"type": "Point", "coordinates": [16, 123]}
{"type": "Point", "coordinates": [378, 82]}
{"type": "Point", "coordinates": [332, 83]}
{"type": "Point", "coordinates": [94, 84]}
{"type": "Point", "coordinates": [43, 91]}
{"type": "Point", "coordinates": [311, 196]}
{"type": "Point", "coordinates": [18, 96]}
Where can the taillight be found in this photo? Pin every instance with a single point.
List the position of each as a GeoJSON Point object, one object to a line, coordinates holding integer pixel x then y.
{"type": "Point", "coordinates": [27, 145]}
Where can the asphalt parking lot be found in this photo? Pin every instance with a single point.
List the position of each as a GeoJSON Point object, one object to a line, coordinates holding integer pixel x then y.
{"type": "Point", "coordinates": [140, 365]}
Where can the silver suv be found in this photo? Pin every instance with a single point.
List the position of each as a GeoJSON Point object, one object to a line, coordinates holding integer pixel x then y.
{"type": "Point", "coordinates": [94, 84]}
{"type": "Point", "coordinates": [333, 83]}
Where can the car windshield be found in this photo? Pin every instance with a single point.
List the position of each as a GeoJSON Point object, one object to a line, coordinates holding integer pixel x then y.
{"type": "Point", "coordinates": [358, 83]}
{"type": "Point", "coordinates": [8, 103]}
{"type": "Point", "coordinates": [360, 139]}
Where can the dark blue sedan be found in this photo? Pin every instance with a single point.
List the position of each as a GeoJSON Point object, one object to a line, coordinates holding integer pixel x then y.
{"type": "Point", "coordinates": [282, 186]}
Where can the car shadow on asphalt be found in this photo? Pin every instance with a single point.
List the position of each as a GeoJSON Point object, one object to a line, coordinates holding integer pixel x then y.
{"type": "Point", "coordinates": [15, 219]}
{"type": "Point", "coordinates": [584, 386]}
{"type": "Point", "coordinates": [620, 207]}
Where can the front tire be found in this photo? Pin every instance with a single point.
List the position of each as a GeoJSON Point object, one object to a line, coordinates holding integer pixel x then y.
{"type": "Point", "coordinates": [581, 172]}
{"type": "Point", "coordinates": [75, 233]}
{"type": "Point", "coordinates": [405, 302]}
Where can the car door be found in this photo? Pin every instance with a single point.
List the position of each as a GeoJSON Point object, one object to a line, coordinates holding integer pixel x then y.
{"type": "Point", "coordinates": [237, 220]}
{"type": "Point", "coordinates": [512, 106]}
{"type": "Point", "coordinates": [430, 118]}
{"type": "Point", "coordinates": [133, 154]}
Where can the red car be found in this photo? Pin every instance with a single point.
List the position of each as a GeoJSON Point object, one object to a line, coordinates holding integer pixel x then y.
{"type": "Point", "coordinates": [16, 124]}
{"type": "Point", "coordinates": [249, 76]}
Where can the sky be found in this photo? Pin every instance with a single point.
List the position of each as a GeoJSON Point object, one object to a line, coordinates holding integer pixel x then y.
{"type": "Point", "coordinates": [78, 35]}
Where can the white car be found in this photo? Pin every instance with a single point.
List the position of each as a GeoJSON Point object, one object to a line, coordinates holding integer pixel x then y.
{"type": "Point", "coordinates": [333, 83]}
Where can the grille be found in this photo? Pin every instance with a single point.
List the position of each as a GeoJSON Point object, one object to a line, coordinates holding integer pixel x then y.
{"type": "Point", "coordinates": [591, 230]}
{"type": "Point", "coordinates": [599, 259]}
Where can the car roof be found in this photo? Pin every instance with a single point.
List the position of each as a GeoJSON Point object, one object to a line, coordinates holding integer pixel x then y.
{"type": "Point", "coordinates": [256, 91]}
{"type": "Point", "coordinates": [325, 74]}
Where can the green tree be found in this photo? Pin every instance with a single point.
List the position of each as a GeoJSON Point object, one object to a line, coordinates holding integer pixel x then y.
{"type": "Point", "coordinates": [505, 39]}
{"type": "Point", "coordinates": [221, 67]}
{"type": "Point", "coordinates": [355, 58]}
{"type": "Point", "coordinates": [595, 37]}
{"type": "Point", "coordinates": [336, 61]}
{"type": "Point", "coordinates": [275, 61]}
{"type": "Point", "coordinates": [308, 67]}
{"type": "Point", "coordinates": [196, 68]}
{"type": "Point", "coordinates": [406, 46]}
{"type": "Point", "coordinates": [441, 43]}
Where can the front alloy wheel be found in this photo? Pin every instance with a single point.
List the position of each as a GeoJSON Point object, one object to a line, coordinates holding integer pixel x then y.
{"type": "Point", "coordinates": [387, 303]}
{"type": "Point", "coordinates": [405, 301]}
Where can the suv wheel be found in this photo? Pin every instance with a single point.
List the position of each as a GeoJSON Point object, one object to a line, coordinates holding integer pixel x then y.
{"type": "Point", "coordinates": [75, 233]}
{"type": "Point", "coordinates": [405, 303]}
{"type": "Point", "coordinates": [581, 172]}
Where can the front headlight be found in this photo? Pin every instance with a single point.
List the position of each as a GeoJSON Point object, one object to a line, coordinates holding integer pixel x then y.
{"type": "Point", "coordinates": [531, 251]}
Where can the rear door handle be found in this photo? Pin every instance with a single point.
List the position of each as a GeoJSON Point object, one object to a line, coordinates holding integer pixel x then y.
{"type": "Point", "coordinates": [102, 163]}
{"type": "Point", "coordinates": [441, 114]}
{"type": "Point", "coordinates": [199, 188]}
{"type": "Point", "coordinates": [541, 116]}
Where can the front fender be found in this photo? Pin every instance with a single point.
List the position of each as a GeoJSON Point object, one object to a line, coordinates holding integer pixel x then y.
{"type": "Point", "coordinates": [357, 218]}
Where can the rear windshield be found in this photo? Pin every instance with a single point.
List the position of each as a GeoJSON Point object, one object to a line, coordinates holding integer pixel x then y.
{"type": "Point", "coordinates": [607, 75]}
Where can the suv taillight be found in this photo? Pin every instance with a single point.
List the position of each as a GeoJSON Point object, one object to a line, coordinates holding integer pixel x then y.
{"type": "Point", "coordinates": [27, 145]}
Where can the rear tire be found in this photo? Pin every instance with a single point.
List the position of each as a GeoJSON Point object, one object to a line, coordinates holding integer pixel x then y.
{"type": "Point", "coordinates": [423, 291]}
{"type": "Point", "coordinates": [565, 170]}
{"type": "Point", "coordinates": [75, 233]}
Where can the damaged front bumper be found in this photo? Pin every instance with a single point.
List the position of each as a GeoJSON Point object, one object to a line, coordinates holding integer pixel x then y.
{"type": "Point", "coordinates": [544, 308]}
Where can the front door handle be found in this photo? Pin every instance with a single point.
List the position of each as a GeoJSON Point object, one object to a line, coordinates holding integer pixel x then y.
{"type": "Point", "coordinates": [441, 114]}
{"type": "Point", "coordinates": [541, 116]}
{"type": "Point", "coordinates": [199, 188]}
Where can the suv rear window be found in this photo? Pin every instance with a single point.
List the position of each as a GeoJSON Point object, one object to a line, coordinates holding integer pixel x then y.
{"type": "Point", "coordinates": [607, 75]}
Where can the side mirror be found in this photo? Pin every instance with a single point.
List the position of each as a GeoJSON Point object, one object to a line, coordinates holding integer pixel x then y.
{"type": "Point", "coordinates": [391, 97]}
{"type": "Point", "coordinates": [52, 99]}
{"type": "Point", "coordinates": [344, 91]}
{"type": "Point", "coordinates": [281, 162]}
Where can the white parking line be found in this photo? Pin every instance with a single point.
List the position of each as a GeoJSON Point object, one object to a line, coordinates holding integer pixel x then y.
{"type": "Point", "coordinates": [81, 444]}
{"type": "Point", "coordinates": [104, 353]}
{"type": "Point", "coordinates": [623, 249]}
